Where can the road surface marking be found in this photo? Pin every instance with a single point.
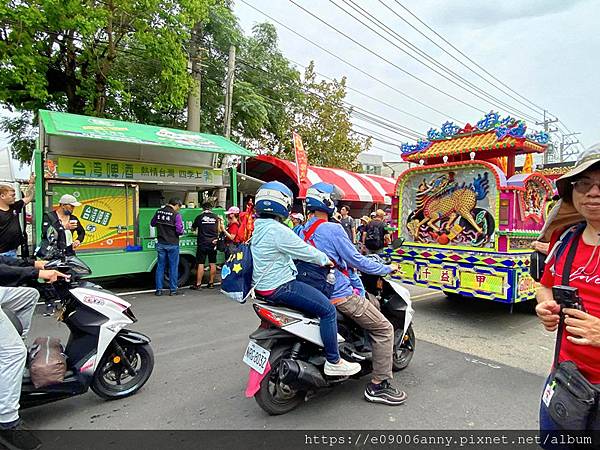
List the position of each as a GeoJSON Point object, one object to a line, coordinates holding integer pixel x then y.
{"type": "Point", "coordinates": [425, 296]}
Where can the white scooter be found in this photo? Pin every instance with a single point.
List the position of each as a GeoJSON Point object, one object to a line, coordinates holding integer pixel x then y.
{"type": "Point", "coordinates": [101, 353]}
{"type": "Point", "coordinates": [286, 353]}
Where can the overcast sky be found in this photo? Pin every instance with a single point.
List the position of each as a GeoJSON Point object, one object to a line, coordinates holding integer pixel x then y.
{"type": "Point", "coordinates": [545, 50]}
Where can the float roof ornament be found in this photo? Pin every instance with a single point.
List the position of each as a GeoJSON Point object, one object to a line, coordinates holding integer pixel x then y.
{"type": "Point", "coordinates": [491, 137]}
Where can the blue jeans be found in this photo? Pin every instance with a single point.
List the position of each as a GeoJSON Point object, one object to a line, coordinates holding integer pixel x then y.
{"type": "Point", "coordinates": [167, 253]}
{"type": "Point", "coordinates": [303, 297]}
{"type": "Point", "coordinates": [10, 254]}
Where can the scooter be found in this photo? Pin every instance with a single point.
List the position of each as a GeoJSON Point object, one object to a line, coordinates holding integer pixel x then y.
{"type": "Point", "coordinates": [100, 353]}
{"type": "Point", "coordinates": [286, 353]}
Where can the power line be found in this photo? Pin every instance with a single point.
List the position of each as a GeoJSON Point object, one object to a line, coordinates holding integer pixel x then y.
{"type": "Point", "coordinates": [375, 136]}
{"type": "Point", "coordinates": [435, 88]}
{"type": "Point", "coordinates": [376, 133]}
{"type": "Point", "coordinates": [465, 56]}
{"type": "Point", "coordinates": [373, 147]}
{"type": "Point", "coordinates": [496, 102]}
{"type": "Point", "coordinates": [384, 125]}
{"type": "Point", "coordinates": [350, 88]}
{"type": "Point", "coordinates": [351, 107]}
{"type": "Point", "coordinates": [454, 57]}
{"type": "Point", "coordinates": [383, 141]}
{"type": "Point", "coordinates": [353, 66]}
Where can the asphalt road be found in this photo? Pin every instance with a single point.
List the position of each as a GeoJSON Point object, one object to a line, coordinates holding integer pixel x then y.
{"type": "Point", "coordinates": [475, 367]}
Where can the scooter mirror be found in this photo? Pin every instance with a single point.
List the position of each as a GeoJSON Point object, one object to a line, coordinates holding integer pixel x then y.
{"type": "Point", "coordinates": [397, 243]}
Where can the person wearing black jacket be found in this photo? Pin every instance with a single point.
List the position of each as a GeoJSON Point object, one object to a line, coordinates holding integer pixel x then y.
{"type": "Point", "coordinates": [65, 223]}
{"type": "Point", "coordinates": [11, 235]}
{"type": "Point", "coordinates": [13, 353]}
{"type": "Point", "coordinates": [169, 226]}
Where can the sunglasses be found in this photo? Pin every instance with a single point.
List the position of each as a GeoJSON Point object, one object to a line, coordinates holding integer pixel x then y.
{"type": "Point", "coordinates": [584, 186]}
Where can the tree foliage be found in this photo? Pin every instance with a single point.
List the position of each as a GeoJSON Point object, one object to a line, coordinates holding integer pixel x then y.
{"type": "Point", "coordinates": [128, 60]}
{"type": "Point", "coordinates": [324, 123]}
{"type": "Point", "coordinates": [117, 58]}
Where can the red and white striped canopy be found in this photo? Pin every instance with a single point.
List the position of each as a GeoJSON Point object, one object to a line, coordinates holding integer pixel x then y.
{"type": "Point", "coordinates": [357, 187]}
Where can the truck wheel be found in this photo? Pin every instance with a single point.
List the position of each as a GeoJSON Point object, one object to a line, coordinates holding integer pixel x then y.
{"type": "Point", "coordinates": [453, 297]}
{"type": "Point", "coordinates": [185, 268]}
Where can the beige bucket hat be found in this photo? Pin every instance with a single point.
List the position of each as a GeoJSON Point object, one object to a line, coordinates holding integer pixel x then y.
{"type": "Point", "coordinates": [564, 214]}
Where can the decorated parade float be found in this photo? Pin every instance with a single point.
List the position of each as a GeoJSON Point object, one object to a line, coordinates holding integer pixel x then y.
{"type": "Point", "coordinates": [466, 218]}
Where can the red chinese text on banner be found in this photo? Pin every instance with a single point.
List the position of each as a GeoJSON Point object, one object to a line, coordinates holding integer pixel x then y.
{"type": "Point", "coordinates": [301, 159]}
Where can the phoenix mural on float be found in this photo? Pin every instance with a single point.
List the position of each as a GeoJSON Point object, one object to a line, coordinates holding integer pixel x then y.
{"type": "Point", "coordinates": [450, 208]}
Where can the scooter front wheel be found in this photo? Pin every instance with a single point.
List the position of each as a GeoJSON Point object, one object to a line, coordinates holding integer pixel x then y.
{"type": "Point", "coordinates": [404, 348]}
{"type": "Point", "coordinates": [113, 379]}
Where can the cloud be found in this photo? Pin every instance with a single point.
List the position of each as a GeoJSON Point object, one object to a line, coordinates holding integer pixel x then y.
{"type": "Point", "coordinates": [487, 13]}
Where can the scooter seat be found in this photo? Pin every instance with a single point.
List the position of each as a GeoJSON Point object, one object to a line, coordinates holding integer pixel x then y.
{"type": "Point", "coordinates": [283, 307]}
{"type": "Point", "coordinates": [339, 316]}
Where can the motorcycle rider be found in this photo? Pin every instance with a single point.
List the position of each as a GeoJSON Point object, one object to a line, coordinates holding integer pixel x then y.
{"type": "Point", "coordinates": [332, 239]}
{"type": "Point", "coordinates": [13, 353]}
{"type": "Point", "coordinates": [274, 245]}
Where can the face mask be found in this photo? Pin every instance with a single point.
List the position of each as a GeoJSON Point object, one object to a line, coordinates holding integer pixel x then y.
{"type": "Point", "coordinates": [66, 212]}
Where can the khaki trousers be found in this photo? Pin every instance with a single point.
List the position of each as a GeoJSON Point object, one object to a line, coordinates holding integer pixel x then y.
{"type": "Point", "coordinates": [366, 313]}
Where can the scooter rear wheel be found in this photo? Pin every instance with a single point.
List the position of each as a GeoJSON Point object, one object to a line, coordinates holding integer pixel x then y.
{"type": "Point", "coordinates": [111, 379]}
{"type": "Point", "coordinates": [274, 397]}
{"type": "Point", "coordinates": [404, 348]}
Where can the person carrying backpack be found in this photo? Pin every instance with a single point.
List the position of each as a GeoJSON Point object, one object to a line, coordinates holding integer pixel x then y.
{"type": "Point", "coordinates": [569, 301]}
{"type": "Point", "coordinates": [375, 236]}
{"type": "Point", "coordinates": [274, 246]}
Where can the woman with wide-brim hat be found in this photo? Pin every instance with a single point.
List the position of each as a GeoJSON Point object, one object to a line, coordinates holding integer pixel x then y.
{"type": "Point", "coordinates": [578, 210]}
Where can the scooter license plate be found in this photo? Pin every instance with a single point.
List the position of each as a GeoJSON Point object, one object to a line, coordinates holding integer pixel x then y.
{"type": "Point", "coordinates": [256, 357]}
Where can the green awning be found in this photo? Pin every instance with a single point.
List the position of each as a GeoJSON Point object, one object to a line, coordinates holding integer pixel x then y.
{"type": "Point", "coordinates": [86, 127]}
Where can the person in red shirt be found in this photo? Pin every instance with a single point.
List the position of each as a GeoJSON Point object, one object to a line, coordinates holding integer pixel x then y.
{"type": "Point", "coordinates": [579, 190]}
{"type": "Point", "coordinates": [231, 232]}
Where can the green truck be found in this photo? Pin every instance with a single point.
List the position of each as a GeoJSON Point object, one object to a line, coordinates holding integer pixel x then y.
{"type": "Point", "coordinates": [121, 173]}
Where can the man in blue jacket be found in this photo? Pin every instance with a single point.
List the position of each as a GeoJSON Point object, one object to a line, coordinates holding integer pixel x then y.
{"type": "Point", "coordinates": [331, 239]}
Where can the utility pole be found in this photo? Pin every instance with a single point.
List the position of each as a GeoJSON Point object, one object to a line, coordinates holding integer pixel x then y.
{"type": "Point", "coordinates": [546, 122]}
{"type": "Point", "coordinates": [565, 145]}
{"type": "Point", "coordinates": [229, 92]}
{"type": "Point", "coordinates": [227, 128]}
{"type": "Point", "coordinates": [193, 110]}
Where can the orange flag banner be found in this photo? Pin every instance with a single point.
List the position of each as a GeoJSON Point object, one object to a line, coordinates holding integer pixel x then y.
{"type": "Point", "coordinates": [301, 158]}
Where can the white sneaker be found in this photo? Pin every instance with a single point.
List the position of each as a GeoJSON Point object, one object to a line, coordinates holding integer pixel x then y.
{"type": "Point", "coordinates": [342, 369]}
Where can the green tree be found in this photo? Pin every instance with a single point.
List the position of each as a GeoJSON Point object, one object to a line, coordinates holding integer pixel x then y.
{"type": "Point", "coordinates": [266, 85]}
{"type": "Point", "coordinates": [117, 58]}
{"type": "Point", "coordinates": [267, 92]}
{"type": "Point", "coordinates": [324, 123]}
{"type": "Point", "coordinates": [128, 60]}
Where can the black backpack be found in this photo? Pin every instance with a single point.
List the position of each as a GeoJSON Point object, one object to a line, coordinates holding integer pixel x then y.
{"type": "Point", "coordinates": [374, 238]}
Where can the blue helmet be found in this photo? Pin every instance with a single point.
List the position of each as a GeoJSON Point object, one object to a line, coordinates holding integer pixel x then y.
{"type": "Point", "coordinates": [274, 198]}
{"type": "Point", "coordinates": [323, 197]}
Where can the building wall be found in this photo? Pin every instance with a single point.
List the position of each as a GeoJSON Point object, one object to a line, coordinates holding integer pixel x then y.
{"type": "Point", "coordinates": [372, 164]}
